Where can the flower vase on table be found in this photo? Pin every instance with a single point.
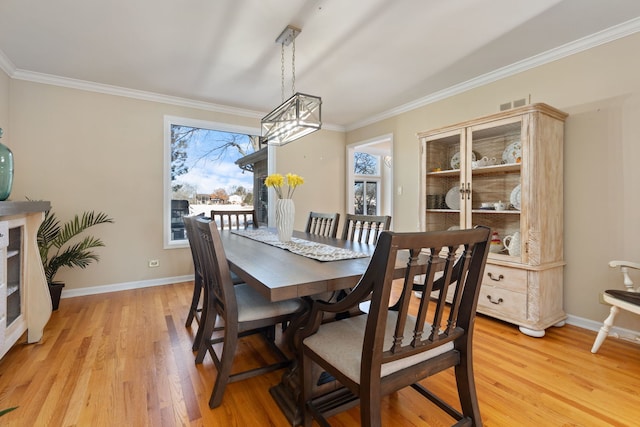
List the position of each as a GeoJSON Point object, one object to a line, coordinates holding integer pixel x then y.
{"type": "Point", "coordinates": [285, 214]}
{"type": "Point", "coordinates": [285, 209]}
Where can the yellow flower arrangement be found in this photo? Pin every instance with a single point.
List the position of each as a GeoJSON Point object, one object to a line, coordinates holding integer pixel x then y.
{"type": "Point", "coordinates": [277, 182]}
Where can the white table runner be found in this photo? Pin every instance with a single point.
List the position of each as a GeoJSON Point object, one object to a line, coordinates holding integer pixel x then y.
{"type": "Point", "coordinates": [314, 250]}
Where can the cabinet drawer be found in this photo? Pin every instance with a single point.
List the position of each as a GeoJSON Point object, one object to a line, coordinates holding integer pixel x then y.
{"type": "Point", "coordinates": [512, 279]}
{"type": "Point", "coordinates": [503, 304]}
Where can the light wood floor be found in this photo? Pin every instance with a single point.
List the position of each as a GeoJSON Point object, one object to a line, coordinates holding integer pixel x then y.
{"type": "Point", "coordinates": [124, 359]}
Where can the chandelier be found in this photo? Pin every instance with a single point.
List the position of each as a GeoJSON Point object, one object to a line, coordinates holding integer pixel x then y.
{"type": "Point", "coordinates": [299, 115]}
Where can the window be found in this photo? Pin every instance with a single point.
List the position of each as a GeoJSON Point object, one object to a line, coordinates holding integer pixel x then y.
{"type": "Point", "coordinates": [203, 170]}
{"type": "Point", "coordinates": [366, 184]}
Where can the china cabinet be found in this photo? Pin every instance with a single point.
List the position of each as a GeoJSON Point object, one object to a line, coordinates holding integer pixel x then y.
{"type": "Point", "coordinates": [25, 304]}
{"type": "Point", "coordinates": [504, 171]}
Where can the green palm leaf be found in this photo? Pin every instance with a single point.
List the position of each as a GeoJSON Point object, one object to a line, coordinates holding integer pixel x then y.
{"type": "Point", "coordinates": [52, 238]}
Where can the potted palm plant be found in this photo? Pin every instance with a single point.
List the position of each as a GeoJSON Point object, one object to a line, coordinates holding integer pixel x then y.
{"type": "Point", "coordinates": [57, 250]}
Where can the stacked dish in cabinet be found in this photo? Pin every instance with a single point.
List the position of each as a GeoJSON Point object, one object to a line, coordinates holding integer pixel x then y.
{"type": "Point", "coordinates": [494, 171]}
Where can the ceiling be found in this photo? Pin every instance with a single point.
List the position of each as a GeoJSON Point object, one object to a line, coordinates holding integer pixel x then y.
{"type": "Point", "coordinates": [365, 58]}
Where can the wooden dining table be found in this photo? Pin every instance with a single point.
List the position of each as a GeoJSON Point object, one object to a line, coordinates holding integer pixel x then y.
{"type": "Point", "coordinates": [280, 274]}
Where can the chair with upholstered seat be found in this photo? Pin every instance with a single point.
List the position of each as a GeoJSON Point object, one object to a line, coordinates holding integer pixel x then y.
{"type": "Point", "coordinates": [323, 224]}
{"type": "Point", "coordinates": [197, 311]}
{"type": "Point", "coordinates": [237, 219]}
{"type": "Point", "coordinates": [241, 311]}
{"type": "Point", "coordinates": [364, 228]}
{"type": "Point", "coordinates": [375, 354]}
{"type": "Point", "coordinates": [627, 299]}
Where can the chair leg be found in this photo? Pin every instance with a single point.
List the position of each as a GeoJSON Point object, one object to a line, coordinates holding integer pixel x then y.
{"type": "Point", "coordinates": [467, 391]}
{"type": "Point", "coordinates": [206, 328]}
{"type": "Point", "coordinates": [604, 330]}
{"type": "Point", "coordinates": [224, 368]}
{"type": "Point", "coordinates": [195, 300]}
{"type": "Point", "coordinates": [370, 411]}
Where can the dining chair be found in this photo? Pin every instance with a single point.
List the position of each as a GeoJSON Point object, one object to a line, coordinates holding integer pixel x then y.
{"type": "Point", "coordinates": [196, 309]}
{"type": "Point", "coordinates": [323, 224]}
{"type": "Point", "coordinates": [241, 311]}
{"type": "Point", "coordinates": [237, 219]}
{"type": "Point", "coordinates": [393, 347]}
{"type": "Point", "coordinates": [364, 228]}
{"type": "Point", "coordinates": [627, 299]}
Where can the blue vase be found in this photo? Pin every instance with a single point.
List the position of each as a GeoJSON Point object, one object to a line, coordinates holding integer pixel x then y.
{"type": "Point", "coordinates": [6, 171]}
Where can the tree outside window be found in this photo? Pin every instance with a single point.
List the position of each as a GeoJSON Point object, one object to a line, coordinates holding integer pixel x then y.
{"type": "Point", "coordinates": [203, 173]}
{"type": "Point", "coordinates": [366, 183]}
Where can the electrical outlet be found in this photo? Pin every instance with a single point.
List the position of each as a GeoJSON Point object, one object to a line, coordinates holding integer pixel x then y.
{"type": "Point", "coordinates": [154, 263]}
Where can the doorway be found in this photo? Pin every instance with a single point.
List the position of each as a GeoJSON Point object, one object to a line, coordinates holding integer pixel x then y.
{"type": "Point", "coordinates": [370, 176]}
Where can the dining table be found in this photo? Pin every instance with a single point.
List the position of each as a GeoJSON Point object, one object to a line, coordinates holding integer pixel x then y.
{"type": "Point", "coordinates": [279, 273]}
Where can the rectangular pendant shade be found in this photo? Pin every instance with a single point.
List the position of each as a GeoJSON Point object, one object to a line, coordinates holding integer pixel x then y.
{"type": "Point", "coordinates": [298, 116]}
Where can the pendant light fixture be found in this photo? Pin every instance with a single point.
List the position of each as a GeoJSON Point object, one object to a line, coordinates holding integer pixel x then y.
{"type": "Point", "coordinates": [299, 115]}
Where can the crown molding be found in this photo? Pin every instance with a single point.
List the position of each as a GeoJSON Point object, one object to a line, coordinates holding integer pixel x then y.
{"type": "Point", "coordinates": [580, 45]}
{"type": "Point", "coordinates": [135, 94]}
{"type": "Point", "coordinates": [130, 93]}
{"type": "Point", "coordinates": [6, 65]}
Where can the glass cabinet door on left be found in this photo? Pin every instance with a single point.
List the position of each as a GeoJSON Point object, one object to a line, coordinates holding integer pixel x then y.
{"type": "Point", "coordinates": [443, 163]}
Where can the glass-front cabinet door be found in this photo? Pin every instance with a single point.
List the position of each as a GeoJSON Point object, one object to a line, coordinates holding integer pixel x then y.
{"type": "Point", "coordinates": [443, 165]}
{"type": "Point", "coordinates": [473, 177]}
{"type": "Point", "coordinates": [496, 183]}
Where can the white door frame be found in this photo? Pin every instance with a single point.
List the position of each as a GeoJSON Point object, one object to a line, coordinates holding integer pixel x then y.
{"type": "Point", "coordinates": [382, 146]}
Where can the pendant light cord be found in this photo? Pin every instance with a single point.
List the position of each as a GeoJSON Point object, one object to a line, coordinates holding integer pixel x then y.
{"type": "Point", "coordinates": [293, 69]}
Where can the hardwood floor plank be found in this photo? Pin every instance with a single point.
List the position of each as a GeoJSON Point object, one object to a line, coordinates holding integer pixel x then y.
{"type": "Point", "coordinates": [125, 359]}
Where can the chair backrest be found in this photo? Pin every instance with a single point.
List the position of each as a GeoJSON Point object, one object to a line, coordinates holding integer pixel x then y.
{"type": "Point", "coordinates": [364, 228]}
{"type": "Point", "coordinates": [323, 224]}
{"type": "Point", "coordinates": [237, 219]}
{"type": "Point", "coordinates": [457, 259]}
{"type": "Point", "coordinates": [190, 227]}
{"type": "Point", "coordinates": [216, 273]}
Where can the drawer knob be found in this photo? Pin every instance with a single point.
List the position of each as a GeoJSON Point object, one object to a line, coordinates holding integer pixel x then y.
{"type": "Point", "coordinates": [500, 277]}
{"type": "Point", "coordinates": [499, 301]}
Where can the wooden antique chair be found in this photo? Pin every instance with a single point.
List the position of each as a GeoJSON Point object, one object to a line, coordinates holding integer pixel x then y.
{"type": "Point", "coordinates": [378, 353]}
{"type": "Point", "coordinates": [364, 228]}
{"type": "Point", "coordinates": [241, 311]}
{"type": "Point", "coordinates": [627, 299]}
{"type": "Point", "coordinates": [234, 218]}
{"type": "Point", "coordinates": [323, 224]}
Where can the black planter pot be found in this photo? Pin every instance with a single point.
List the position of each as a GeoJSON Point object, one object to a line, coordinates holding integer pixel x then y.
{"type": "Point", "coordinates": [55, 289]}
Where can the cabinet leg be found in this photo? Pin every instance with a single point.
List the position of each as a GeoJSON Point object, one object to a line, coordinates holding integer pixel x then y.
{"type": "Point", "coordinates": [532, 332]}
{"type": "Point", "coordinates": [560, 324]}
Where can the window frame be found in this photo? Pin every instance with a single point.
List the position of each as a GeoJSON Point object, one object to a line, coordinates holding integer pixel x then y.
{"type": "Point", "coordinates": [169, 120]}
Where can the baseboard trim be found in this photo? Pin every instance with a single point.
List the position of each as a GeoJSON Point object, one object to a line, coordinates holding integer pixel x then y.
{"type": "Point", "coordinates": [591, 325]}
{"type": "Point", "coordinates": [94, 290]}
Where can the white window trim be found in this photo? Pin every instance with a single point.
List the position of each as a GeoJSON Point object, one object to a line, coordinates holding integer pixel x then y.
{"type": "Point", "coordinates": [203, 124]}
